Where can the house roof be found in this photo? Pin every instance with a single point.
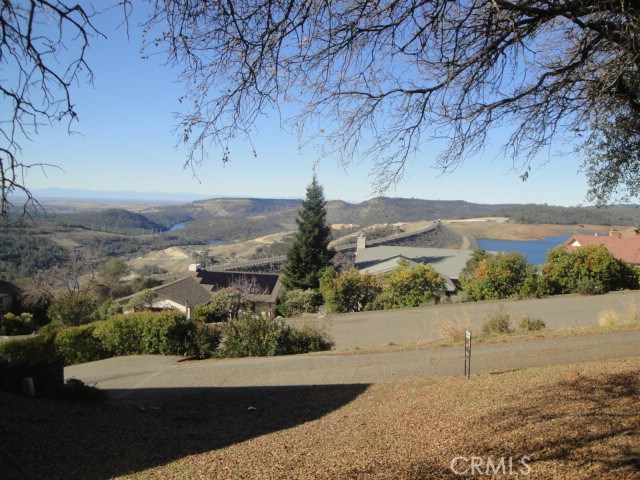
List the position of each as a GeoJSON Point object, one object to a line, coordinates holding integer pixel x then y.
{"type": "Point", "coordinates": [265, 286]}
{"type": "Point", "coordinates": [446, 261]}
{"type": "Point", "coordinates": [624, 248]}
{"type": "Point", "coordinates": [185, 291]}
{"type": "Point", "coordinates": [8, 288]}
{"type": "Point", "coordinates": [196, 289]}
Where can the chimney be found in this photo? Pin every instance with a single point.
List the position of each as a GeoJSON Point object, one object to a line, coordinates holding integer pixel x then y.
{"type": "Point", "coordinates": [361, 244]}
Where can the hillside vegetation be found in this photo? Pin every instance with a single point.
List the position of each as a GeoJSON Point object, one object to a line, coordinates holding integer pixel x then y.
{"type": "Point", "coordinates": [118, 231]}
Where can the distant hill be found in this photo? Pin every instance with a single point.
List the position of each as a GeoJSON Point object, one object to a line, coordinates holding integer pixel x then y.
{"type": "Point", "coordinates": [391, 210]}
{"type": "Point", "coordinates": [112, 220]}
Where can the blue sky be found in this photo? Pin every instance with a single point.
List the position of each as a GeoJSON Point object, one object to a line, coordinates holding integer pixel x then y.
{"type": "Point", "coordinates": [126, 142]}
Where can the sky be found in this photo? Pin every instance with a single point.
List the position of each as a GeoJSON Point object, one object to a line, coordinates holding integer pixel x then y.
{"type": "Point", "coordinates": [125, 141]}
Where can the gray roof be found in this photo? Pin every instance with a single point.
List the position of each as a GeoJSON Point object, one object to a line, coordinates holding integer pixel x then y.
{"type": "Point", "coordinates": [197, 289]}
{"type": "Point", "coordinates": [448, 262]}
{"type": "Point", "coordinates": [185, 291]}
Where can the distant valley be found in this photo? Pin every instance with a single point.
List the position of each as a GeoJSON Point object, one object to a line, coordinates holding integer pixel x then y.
{"type": "Point", "coordinates": [136, 228]}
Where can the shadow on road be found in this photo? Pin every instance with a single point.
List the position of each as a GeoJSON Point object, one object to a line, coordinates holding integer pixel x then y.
{"type": "Point", "coordinates": [54, 439]}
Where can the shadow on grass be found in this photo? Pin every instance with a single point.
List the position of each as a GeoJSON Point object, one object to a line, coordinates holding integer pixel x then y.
{"type": "Point", "coordinates": [55, 439]}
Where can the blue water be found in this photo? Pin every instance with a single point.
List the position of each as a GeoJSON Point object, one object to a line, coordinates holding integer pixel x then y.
{"type": "Point", "coordinates": [534, 250]}
{"type": "Point", "coordinates": [176, 226]}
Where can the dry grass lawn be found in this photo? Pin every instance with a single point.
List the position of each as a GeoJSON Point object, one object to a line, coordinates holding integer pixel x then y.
{"type": "Point", "coordinates": [577, 421]}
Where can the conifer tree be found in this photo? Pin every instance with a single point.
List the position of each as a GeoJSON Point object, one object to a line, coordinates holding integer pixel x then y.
{"type": "Point", "coordinates": [310, 253]}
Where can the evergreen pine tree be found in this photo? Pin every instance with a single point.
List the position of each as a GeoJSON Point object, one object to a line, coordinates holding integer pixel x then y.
{"type": "Point", "coordinates": [310, 253]}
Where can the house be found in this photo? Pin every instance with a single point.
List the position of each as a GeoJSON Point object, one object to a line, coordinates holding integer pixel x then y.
{"type": "Point", "coordinates": [196, 289]}
{"type": "Point", "coordinates": [448, 262]}
{"type": "Point", "coordinates": [8, 295]}
{"type": "Point", "coordinates": [623, 248]}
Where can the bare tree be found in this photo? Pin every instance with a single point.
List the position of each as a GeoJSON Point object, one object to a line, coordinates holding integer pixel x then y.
{"type": "Point", "coordinates": [382, 79]}
{"type": "Point", "coordinates": [43, 45]}
{"type": "Point", "coordinates": [73, 276]}
{"type": "Point", "coordinates": [375, 79]}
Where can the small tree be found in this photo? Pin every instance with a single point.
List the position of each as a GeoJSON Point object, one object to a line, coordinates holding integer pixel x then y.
{"type": "Point", "coordinates": [349, 291]}
{"type": "Point", "coordinates": [72, 311]}
{"type": "Point", "coordinates": [407, 287]}
{"type": "Point", "coordinates": [297, 302]}
{"type": "Point", "coordinates": [496, 276]}
{"type": "Point", "coordinates": [226, 304]}
{"type": "Point", "coordinates": [142, 300]}
{"type": "Point", "coordinates": [309, 254]}
{"type": "Point", "coordinates": [589, 269]}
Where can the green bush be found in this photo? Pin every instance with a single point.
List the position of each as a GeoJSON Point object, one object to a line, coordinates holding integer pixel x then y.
{"type": "Point", "coordinates": [28, 349]}
{"type": "Point", "coordinates": [119, 335]}
{"type": "Point", "coordinates": [79, 345]}
{"type": "Point", "coordinates": [298, 301]}
{"type": "Point", "coordinates": [11, 324]}
{"type": "Point", "coordinates": [531, 324]}
{"type": "Point", "coordinates": [73, 311]}
{"type": "Point", "coordinates": [497, 323]}
{"type": "Point", "coordinates": [307, 338]}
{"type": "Point", "coordinates": [255, 336]}
{"type": "Point", "coordinates": [164, 333]}
{"type": "Point", "coordinates": [203, 340]}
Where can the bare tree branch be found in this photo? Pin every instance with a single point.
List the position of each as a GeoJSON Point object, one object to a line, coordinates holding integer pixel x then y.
{"type": "Point", "coordinates": [383, 80]}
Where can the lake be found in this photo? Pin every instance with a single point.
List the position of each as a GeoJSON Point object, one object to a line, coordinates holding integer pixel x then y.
{"type": "Point", "coordinates": [176, 227]}
{"type": "Point", "coordinates": [534, 250]}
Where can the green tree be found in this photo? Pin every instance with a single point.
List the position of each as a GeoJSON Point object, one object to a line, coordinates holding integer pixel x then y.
{"type": "Point", "coordinates": [112, 271]}
{"type": "Point", "coordinates": [349, 291]}
{"type": "Point", "coordinates": [142, 300]}
{"type": "Point", "coordinates": [73, 310]}
{"type": "Point", "coordinates": [496, 276]}
{"type": "Point", "coordinates": [410, 287]}
{"type": "Point", "coordinates": [589, 269]}
{"type": "Point", "coordinates": [309, 254]}
{"type": "Point", "coordinates": [296, 302]}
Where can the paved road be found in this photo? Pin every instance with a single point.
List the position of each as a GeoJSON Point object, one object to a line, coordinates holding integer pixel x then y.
{"type": "Point", "coordinates": [132, 377]}
{"type": "Point", "coordinates": [417, 325]}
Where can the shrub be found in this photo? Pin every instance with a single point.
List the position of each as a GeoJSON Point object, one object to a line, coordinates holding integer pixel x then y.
{"type": "Point", "coordinates": [307, 338]}
{"type": "Point", "coordinates": [203, 340]}
{"type": "Point", "coordinates": [254, 336]}
{"type": "Point", "coordinates": [531, 324]}
{"type": "Point", "coordinates": [142, 300]}
{"type": "Point", "coordinates": [298, 301]}
{"type": "Point", "coordinates": [210, 313]}
{"type": "Point", "coordinates": [28, 349]}
{"type": "Point", "coordinates": [79, 345]}
{"type": "Point", "coordinates": [251, 336]}
{"type": "Point", "coordinates": [405, 287]}
{"type": "Point", "coordinates": [72, 311]}
{"type": "Point", "coordinates": [349, 291]}
{"type": "Point", "coordinates": [588, 270]}
{"type": "Point", "coordinates": [108, 309]}
{"type": "Point", "coordinates": [120, 335]}
{"type": "Point", "coordinates": [11, 324]}
{"type": "Point", "coordinates": [164, 333]}
{"type": "Point", "coordinates": [497, 323]}
{"type": "Point", "coordinates": [495, 276]}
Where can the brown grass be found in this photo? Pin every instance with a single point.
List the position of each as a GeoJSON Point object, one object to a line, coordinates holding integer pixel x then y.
{"type": "Point", "coordinates": [576, 421]}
